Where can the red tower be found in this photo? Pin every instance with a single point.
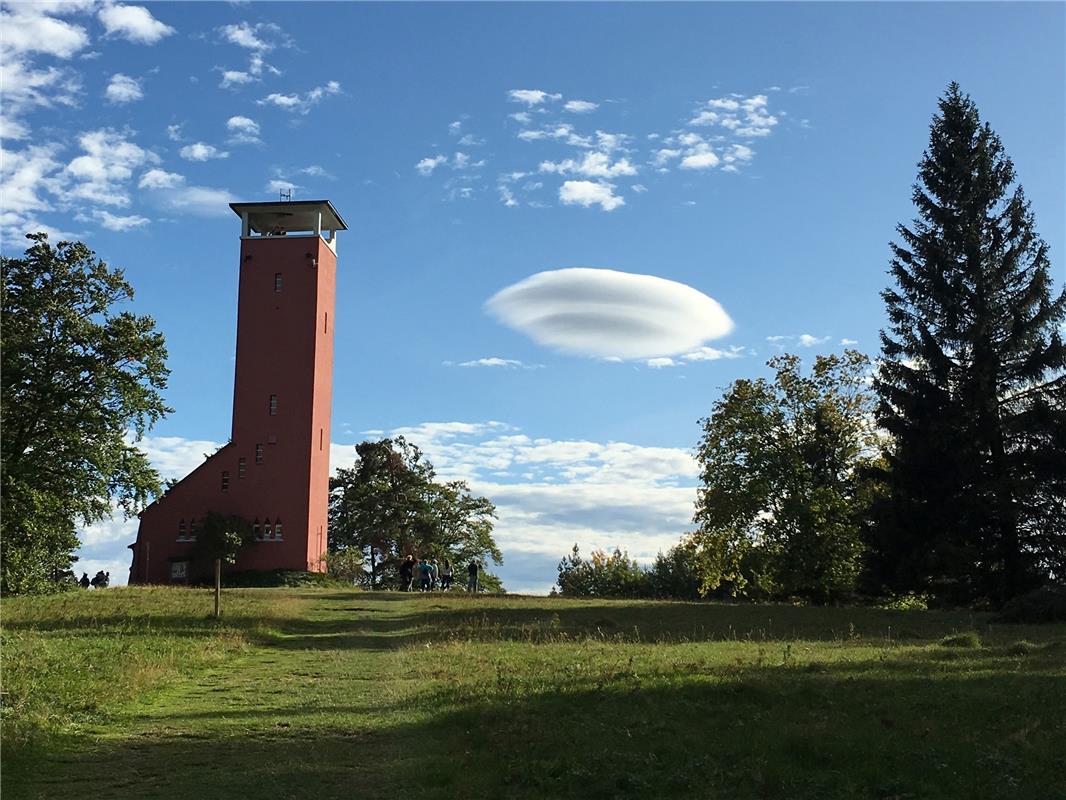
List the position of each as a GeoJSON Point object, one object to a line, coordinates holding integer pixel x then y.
{"type": "Point", "coordinates": [274, 471]}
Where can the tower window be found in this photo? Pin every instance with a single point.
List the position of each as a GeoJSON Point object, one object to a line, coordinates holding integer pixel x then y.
{"type": "Point", "coordinates": [256, 530]}
{"type": "Point", "coordinates": [266, 528]}
{"type": "Point", "coordinates": [325, 323]}
{"type": "Point", "coordinates": [225, 480]}
{"type": "Point", "coordinates": [277, 281]}
{"type": "Point", "coordinates": [320, 438]}
{"type": "Point", "coordinates": [273, 405]}
{"type": "Point", "coordinates": [259, 454]}
{"type": "Point", "coordinates": [192, 529]}
{"type": "Point", "coordinates": [277, 530]}
{"type": "Point", "coordinates": [242, 467]}
{"type": "Point", "coordinates": [181, 529]}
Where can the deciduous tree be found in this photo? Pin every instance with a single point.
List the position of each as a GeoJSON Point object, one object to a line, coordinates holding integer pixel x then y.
{"type": "Point", "coordinates": [81, 384]}
{"type": "Point", "coordinates": [783, 491]}
{"type": "Point", "coordinates": [390, 504]}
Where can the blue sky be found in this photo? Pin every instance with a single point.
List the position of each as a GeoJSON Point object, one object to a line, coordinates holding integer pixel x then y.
{"type": "Point", "coordinates": [753, 158]}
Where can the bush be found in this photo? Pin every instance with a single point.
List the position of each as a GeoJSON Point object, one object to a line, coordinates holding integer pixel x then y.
{"type": "Point", "coordinates": [1046, 604]}
{"type": "Point", "coordinates": [1021, 648]}
{"type": "Point", "coordinates": [261, 578]}
{"type": "Point", "coordinates": [965, 641]}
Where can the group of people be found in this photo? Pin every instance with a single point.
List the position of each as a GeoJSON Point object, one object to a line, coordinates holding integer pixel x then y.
{"type": "Point", "coordinates": [101, 580]}
{"type": "Point", "coordinates": [430, 576]}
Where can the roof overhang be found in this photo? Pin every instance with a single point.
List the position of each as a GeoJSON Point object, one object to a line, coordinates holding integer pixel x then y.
{"type": "Point", "coordinates": [294, 215]}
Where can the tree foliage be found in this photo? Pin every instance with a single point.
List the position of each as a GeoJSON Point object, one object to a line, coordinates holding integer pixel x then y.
{"type": "Point", "coordinates": [973, 381]}
{"type": "Point", "coordinates": [783, 490]}
{"type": "Point", "coordinates": [81, 384]}
{"type": "Point", "coordinates": [390, 504]}
{"type": "Point", "coordinates": [601, 575]}
{"type": "Point", "coordinates": [222, 537]}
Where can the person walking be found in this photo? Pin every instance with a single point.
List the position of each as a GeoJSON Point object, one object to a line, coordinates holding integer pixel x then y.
{"type": "Point", "coordinates": [446, 576]}
{"type": "Point", "coordinates": [472, 570]}
{"type": "Point", "coordinates": [407, 573]}
{"type": "Point", "coordinates": [84, 582]}
{"type": "Point", "coordinates": [425, 573]}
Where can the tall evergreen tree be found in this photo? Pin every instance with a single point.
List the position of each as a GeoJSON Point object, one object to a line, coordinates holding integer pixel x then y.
{"type": "Point", "coordinates": [973, 380]}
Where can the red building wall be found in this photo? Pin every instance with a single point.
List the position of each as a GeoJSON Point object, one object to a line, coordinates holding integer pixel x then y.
{"type": "Point", "coordinates": [285, 312]}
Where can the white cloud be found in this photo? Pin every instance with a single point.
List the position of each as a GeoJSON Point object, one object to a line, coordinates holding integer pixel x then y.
{"type": "Point", "coordinates": [243, 130]}
{"type": "Point", "coordinates": [234, 77]}
{"type": "Point", "coordinates": [174, 132]}
{"type": "Point", "coordinates": [744, 116]}
{"type": "Point", "coordinates": [29, 29]}
{"type": "Point", "coordinates": [606, 313]}
{"type": "Point", "coordinates": [430, 163]}
{"type": "Point", "coordinates": [160, 179]}
{"type": "Point", "coordinates": [281, 185]}
{"type": "Point", "coordinates": [521, 116]}
{"type": "Point", "coordinates": [660, 363]}
{"type": "Point", "coordinates": [848, 342]}
{"type": "Point", "coordinates": [594, 165]}
{"type": "Point", "coordinates": [715, 354]}
{"type": "Point", "coordinates": [119, 223]}
{"type": "Point", "coordinates": [315, 171]}
{"type": "Point", "coordinates": [123, 89]}
{"type": "Point", "coordinates": [251, 37]}
{"type": "Point", "coordinates": [639, 188]}
{"type": "Point", "coordinates": [590, 193]}
{"type": "Point", "coordinates": [101, 174]}
{"type": "Point", "coordinates": [492, 362]}
{"type": "Point", "coordinates": [134, 23]}
{"type": "Point", "coordinates": [256, 67]}
{"type": "Point", "coordinates": [803, 340]}
{"type": "Point", "coordinates": [699, 157]}
{"type": "Point", "coordinates": [200, 151]}
{"type": "Point", "coordinates": [301, 104]}
{"type": "Point", "coordinates": [665, 155]}
{"type": "Point", "coordinates": [531, 97]}
{"type": "Point", "coordinates": [580, 106]}
{"type": "Point", "coordinates": [200, 201]}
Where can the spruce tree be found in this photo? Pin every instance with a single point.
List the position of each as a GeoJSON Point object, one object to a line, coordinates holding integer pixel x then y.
{"type": "Point", "coordinates": [972, 383]}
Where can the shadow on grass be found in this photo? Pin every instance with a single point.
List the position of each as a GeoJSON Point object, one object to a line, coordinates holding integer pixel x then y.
{"type": "Point", "coordinates": [431, 618]}
{"type": "Point", "coordinates": [754, 734]}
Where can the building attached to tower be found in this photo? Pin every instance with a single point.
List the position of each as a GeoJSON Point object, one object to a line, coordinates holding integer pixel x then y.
{"type": "Point", "coordinates": [274, 471]}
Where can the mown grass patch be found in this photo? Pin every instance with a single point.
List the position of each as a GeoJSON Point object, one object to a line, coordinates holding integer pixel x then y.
{"type": "Point", "coordinates": [323, 694]}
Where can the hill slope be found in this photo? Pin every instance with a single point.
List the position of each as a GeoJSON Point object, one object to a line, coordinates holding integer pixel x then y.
{"type": "Point", "coordinates": [322, 694]}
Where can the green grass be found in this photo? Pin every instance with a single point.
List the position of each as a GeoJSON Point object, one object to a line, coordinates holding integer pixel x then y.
{"type": "Point", "coordinates": [318, 693]}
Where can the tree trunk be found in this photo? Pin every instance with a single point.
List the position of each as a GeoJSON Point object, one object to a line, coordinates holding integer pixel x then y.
{"type": "Point", "coordinates": [218, 587]}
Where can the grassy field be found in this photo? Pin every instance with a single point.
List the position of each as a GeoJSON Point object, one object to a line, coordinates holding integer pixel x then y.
{"type": "Point", "coordinates": [136, 693]}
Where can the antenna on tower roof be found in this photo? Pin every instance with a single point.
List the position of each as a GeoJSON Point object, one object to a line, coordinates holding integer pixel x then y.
{"type": "Point", "coordinates": [286, 194]}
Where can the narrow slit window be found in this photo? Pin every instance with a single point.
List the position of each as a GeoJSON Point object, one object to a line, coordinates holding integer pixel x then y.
{"type": "Point", "coordinates": [273, 405]}
{"type": "Point", "coordinates": [242, 467]}
{"type": "Point", "coordinates": [277, 282]}
{"type": "Point", "coordinates": [266, 529]}
{"type": "Point", "coordinates": [225, 480]}
{"type": "Point", "coordinates": [325, 323]}
{"type": "Point", "coordinates": [192, 529]}
{"type": "Point", "coordinates": [259, 454]}
{"type": "Point", "coordinates": [277, 530]}
{"type": "Point", "coordinates": [181, 529]}
{"type": "Point", "coordinates": [257, 531]}
{"type": "Point", "coordinates": [320, 434]}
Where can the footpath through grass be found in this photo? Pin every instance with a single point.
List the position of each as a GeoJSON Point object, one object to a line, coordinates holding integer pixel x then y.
{"type": "Point", "coordinates": [326, 694]}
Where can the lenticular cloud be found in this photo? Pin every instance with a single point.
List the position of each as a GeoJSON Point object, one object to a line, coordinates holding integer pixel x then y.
{"type": "Point", "coordinates": [610, 314]}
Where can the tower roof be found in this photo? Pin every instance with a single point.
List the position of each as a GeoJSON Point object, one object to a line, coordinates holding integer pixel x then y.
{"type": "Point", "coordinates": [295, 215]}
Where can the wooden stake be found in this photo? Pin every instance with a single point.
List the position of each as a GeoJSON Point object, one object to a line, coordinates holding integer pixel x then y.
{"type": "Point", "coordinates": [218, 587]}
